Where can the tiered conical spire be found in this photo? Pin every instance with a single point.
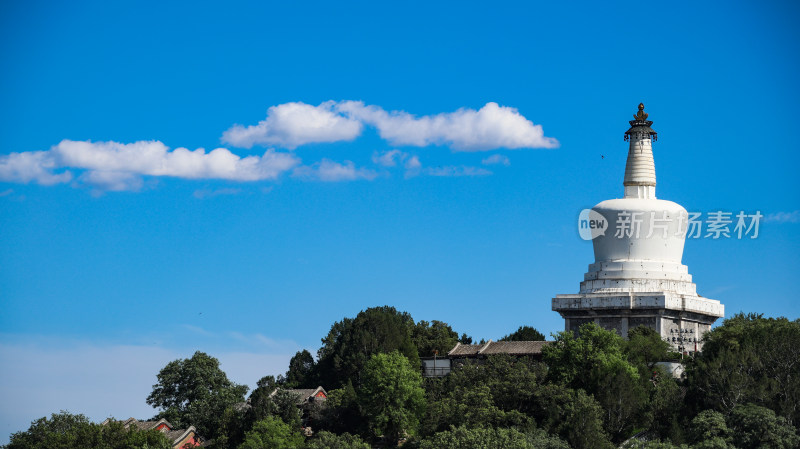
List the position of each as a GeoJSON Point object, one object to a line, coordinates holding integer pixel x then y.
{"type": "Point", "coordinates": [640, 170]}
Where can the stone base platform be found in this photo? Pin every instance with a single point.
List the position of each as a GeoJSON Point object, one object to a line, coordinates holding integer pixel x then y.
{"type": "Point", "coordinates": [680, 319]}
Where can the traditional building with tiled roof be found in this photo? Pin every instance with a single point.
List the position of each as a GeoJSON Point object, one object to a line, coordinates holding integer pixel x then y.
{"type": "Point", "coordinates": [305, 395]}
{"type": "Point", "coordinates": [179, 438]}
{"type": "Point", "coordinates": [307, 400]}
{"type": "Point", "coordinates": [441, 366]}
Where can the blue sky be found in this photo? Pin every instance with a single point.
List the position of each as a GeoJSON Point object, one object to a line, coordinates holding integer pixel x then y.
{"type": "Point", "coordinates": [433, 157]}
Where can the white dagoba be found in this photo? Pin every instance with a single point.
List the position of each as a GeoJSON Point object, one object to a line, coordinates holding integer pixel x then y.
{"type": "Point", "coordinates": [637, 278]}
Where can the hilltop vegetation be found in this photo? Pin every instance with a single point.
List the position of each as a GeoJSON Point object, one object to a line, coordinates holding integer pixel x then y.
{"type": "Point", "coordinates": [595, 390]}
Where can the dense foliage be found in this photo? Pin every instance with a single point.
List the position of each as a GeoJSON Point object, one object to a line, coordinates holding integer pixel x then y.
{"type": "Point", "coordinates": [328, 440]}
{"type": "Point", "coordinates": [432, 338]}
{"type": "Point", "coordinates": [524, 333]}
{"type": "Point", "coordinates": [352, 341]}
{"type": "Point", "coordinates": [490, 438]}
{"type": "Point", "coordinates": [391, 395]}
{"type": "Point", "coordinates": [272, 433]}
{"type": "Point", "coordinates": [195, 392]}
{"type": "Point", "coordinates": [300, 373]}
{"type": "Point", "coordinates": [750, 359]}
{"type": "Point", "coordinates": [592, 389]}
{"type": "Point", "coordinates": [67, 431]}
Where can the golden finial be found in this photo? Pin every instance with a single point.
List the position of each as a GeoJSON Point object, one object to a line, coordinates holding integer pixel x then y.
{"type": "Point", "coordinates": [641, 115]}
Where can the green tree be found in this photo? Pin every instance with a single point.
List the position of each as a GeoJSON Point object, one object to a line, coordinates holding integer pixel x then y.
{"type": "Point", "coordinates": [710, 431]}
{"type": "Point", "coordinates": [586, 361]}
{"type": "Point", "coordinates": [499, 391]}
{"type": "Point", "coordinates": [749, 359]}
{"type": "Point", "coordinates": [260, 400]}
{"type": "Point", "coordinates": [636, 444]}
{"type": "Point", "coordinates": [572, 414]}
{"type": "Point", "coordinates": [756, 427]}
{"type": "Point", "coordinates": [595, 362]}
{"type": "Point", "coordinates": [272, 433]}
{"type": "Point", "coordinates": [646, 348]}
{"type": "Point", "coordinates": [61, 431]}
{"type": "Point", "coordinates": [352, 341]}
{"type": "Point", "coordinates": [328, 440]}
{"type": "Point", "coordinates": [68, 431]}
{"type": "Point", "coordinates": [524, 333]}
{"type": "Point", "coordinates": [270, 399]}
{"type": "Point", "coordinates": [195, 392]}
{"type": "Point", "coordinates": [466, 437]}
{"type": "Point", "coordinates": [480, 438]}
{"type": "Point", "coordinates": [301, 368]}
{"type": "Point", "coordinates": [539, 439]}
{"type": "Point", "coordinates": [509, 391]}
{"type": "Point", "coordinates": [233, 424]}
{"type": "Point", "coordinates": [511, 380]}
{"type": "Point", "coordinates": [434, 336]}
{"type": "Point", "coordinates": [392, 396]}
{"type": "Point", "coordinates": [666, 406]}
{"type": "Point", "coordinates": [341, 412]}
{"type": "Point", "coordinates": [287, 408]}
{"type": "Point", "coordinates": [625, 401]}
{"type": "Point", "coordinates": [471, 407]}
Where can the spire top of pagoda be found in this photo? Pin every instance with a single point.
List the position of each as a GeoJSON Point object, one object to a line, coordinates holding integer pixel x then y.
{"type": "Point", "coordinates": [641, 115]}
{"type": "Point", "coordinates": [640, 126]}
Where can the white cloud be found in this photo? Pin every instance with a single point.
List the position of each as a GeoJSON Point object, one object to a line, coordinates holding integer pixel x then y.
{"type": "Point", "coordinates": [388, 158]}
{"type": "Point", "coordinates": [119, 166]}
{"type": "Point", "coordinates": [30, 166]}
{"type": "Point", "coordinates": [492, 126]}
{"type": "Point", "coordinates": [330, 171]}
{"type": "Point", "coordinates": [114, 181]}
{"type": "Point", "coordinates": [459, 170]}
{"type": "Point", "coordinates": [114, 166]}
{"type": "Point", "coordinates": [153, 158]}
{"type": "Point", "coordinates": [412, 163]}
{"type": "Point", "coordinates": [496, 159]}
{"type": "Point", "coordinates": [413, 167]}
{"type": "Point", "coordinates": [392, 158]}
{"type": "Point", "coordinates": [290, 125]}
{"type": "Point", "coordinates": [783, 217]}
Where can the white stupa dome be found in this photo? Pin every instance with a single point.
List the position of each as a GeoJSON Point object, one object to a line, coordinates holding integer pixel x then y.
{"type": "Point", "coordinates": [642, 247]}
{"type": "Point", "coordinates": [645, 229]}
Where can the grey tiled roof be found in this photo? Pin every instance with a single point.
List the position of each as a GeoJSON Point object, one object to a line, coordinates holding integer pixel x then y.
{"type": "Point", "coordinates": [175, 436]}
{"type": "Point", "coordinates": [143, 425]}
{"type": "Point", "coordinates": [303, 394]}
{"type": "Point", "coordinates": [515, 347]}
{"type": "Point", "coordinates": [462, 349]}
{"type": "Point", "coordinates": [499, 347]}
